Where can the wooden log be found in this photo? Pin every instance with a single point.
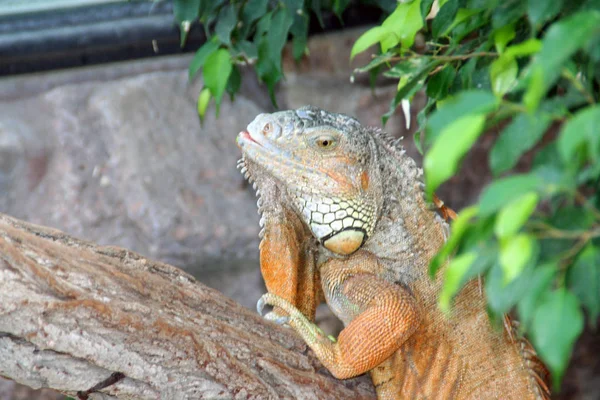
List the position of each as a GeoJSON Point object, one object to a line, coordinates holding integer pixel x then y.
{"type": "Point", "coordinates": [73, 313]}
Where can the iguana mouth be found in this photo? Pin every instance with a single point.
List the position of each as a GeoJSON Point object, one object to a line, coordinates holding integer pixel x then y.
{"type": "Point", "coordinates": [246, 136]}
{"type": "Point", "coordinates": [259, 143]}
{"type": "Point", "coordinates": [265, 152]}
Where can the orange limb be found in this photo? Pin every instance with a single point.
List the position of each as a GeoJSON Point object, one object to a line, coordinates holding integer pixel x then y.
{"type": "Point", "coordinates": [287, 265]}
{"type": "Point", "coordinates": [380, 317]}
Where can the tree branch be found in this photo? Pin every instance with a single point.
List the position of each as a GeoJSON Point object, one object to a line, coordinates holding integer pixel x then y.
{"type": "Point", "coordinates": [73, 313]}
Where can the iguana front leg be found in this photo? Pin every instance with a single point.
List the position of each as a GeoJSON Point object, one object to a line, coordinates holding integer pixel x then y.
{"type": "Point", "coordinates": [287, 264]}
{"type": "Point", "coordinates": [379, 316]}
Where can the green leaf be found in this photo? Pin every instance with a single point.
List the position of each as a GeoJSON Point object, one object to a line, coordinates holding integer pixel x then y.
{"type": "Point", "coordinates": [503, 36]}
{"type": "Point", "coordinates": [234, 82]}
{"type": "Point", "coordinates": [387, 5]}
{"type": "Point", "coordinates": [263, 26]}
{"type": "Point", "coordinates": [567, 218]}
{"type": "Point", "coordinates": [377, 61]}
{"type": "Point", "coordinates": [453, 278]}
{"type": "Point", "coordinates": [502, 191]}
{"type": "Point", "coordinates": [502, 296]}
{"type": "Point", "coordinates": [247, 49]}
{"type": "Point", "coordinates": [584, 280]}
{"type": "Point", "coordinates": [339, 6]}
{"type": "Point", "coordinates": [404, 69]}
{"type": "Point", "coordinates": [186, 12]}
{"type": "Point", "coordinates": [525, 48]}
{"type": "Point", "coordinates": [278, 33]}
{"type": "Point", "coordinates": [315, 5]}
{"type": "Point", "coordinates": [253, 10]}
{"type": "Point", "coordinates": [268, 71]}
{"type": "Point", "coordinates": [299, 46]}
{"type": "Point", "coordinates": [200, 57]}
{"type": "Point", "coordinates": [569, 35]}
{"type": "Point", "coordinates": [540, 11]}
{"type": "Point", "coordinates": [462, 15]}
{"type": "Point", "coordinates": [270, 47]}
{"type": "Point", "coordinates": [535, 89]}
{"type": "Point", "coordinates": [589, 174]}
{"type": "Point", "coordinates": [516, 138]}
{"type": "Point", "coordinates": [438, 84]}
{"type": "Point", "coordinates": [581, 132]}
{"type": "Point", "coordinates": [458, 228]}
{"type": "Point", "coordinates": [555, 179]}
{"type": "Point", "coordinates": [507, 12]}
{"type": "Point", "coordinates": [466, 22]}
{"type": "Point", "coordinates": [442, 161]}
{"type": "Point", "coordinates": [444, 18]}
{"type": "Point", "coordinates": [421, 118]}
{"type": "Point", "coordinates": [557, 323]}
{"type": "Point", "coordinates": [514, 215]}
{"type": "Point", "coordinates": [226, 23]}
{"type": "Point", "coordinates": [425, 8]}
{"type": "Point", "coordinates": [466, 73]}
{"type": "Point", "coordinates": [503, 71]}
{"type": "Point", "coordinates": [368, 39]}
{"type": "Point", "coordinates": [487, 255]}
{"type": "Point", "coordinates": [216, 71]}
{"type": "Point", "coordinates": [409, 84]}
{"type": "Point", "coordinates": [465, 103]}
{"type": "Point", "coordinates": [404, 22]}
{"type": "Point", "coordinates": [503, 74]}
{"type": "Point", "coordinates": [572, 218]}
{"type": "Point", "coordinates": [203, 100]}
{"type": "Point", "coordinates": [294, 7]}
{"type": "Point", "coordinates": [539, 283]}
{"type": "Point", "coordinates": [299, 31]}
{"type": "Point", "coordinates": [515, 252]}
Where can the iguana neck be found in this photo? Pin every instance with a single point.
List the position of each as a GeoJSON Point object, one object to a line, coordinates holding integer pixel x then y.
{"type": "Point", "coordinates": [400, 239]}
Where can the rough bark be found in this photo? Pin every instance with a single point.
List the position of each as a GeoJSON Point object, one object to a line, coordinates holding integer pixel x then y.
{"type": "Point", "coordinates": [72, 313]}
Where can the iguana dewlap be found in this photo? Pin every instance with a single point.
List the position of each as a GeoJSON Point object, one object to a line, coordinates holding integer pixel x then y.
{"type": "Point", "coordinates": [344, 219]}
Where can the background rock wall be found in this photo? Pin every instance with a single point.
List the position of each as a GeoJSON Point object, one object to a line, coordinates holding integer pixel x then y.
{"type": "Point", "coordinates": [122, 159]}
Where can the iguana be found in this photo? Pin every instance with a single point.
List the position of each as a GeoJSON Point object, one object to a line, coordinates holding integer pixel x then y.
{"type": "Point", "coordinates": [344, 219]}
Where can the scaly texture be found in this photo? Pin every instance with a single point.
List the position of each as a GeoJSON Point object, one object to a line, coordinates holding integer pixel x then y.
{"type": "Point", "coordinates": [344, 218]}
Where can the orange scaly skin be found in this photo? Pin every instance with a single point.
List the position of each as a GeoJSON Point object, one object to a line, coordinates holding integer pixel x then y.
{"type": "Point", "coordinates": [344, 218]}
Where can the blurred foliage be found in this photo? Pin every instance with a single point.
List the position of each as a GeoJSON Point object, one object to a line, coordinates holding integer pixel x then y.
{"type": "Point", "coordinates": [531, 67]}
{"type": "Point", "coordinates": [250, 32]}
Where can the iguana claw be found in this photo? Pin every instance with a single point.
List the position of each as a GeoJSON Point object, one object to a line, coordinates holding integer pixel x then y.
{"type": "Point", "coordinates": [260, 305]}
{"type": "Point", "coordinates": [295, 316]}
{"type": "Point", "coordinates": [271, 316]}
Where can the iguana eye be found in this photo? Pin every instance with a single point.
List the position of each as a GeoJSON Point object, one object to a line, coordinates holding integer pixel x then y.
{"type": "Point", "coordinates": [268, 128]}
{"type": "Point", "coordinates": [325, 142]}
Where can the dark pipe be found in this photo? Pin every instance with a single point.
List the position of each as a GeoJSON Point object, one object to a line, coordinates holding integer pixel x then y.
{"type": "Point", "coordinates": [113, 32]}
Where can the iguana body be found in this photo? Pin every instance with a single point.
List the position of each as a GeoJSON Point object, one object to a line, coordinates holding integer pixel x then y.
{"type": "Point", "coordinates": [344, 218]}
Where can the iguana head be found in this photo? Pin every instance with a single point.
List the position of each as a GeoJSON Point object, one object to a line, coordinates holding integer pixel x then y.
{"type": "Point", "coordinates": [324, 161]}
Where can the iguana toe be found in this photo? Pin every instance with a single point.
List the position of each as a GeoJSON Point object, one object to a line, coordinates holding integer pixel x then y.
{"type": "Point", "coordinates": [275, 301]}
{"type": "Point", "coordinates": [278, 319]}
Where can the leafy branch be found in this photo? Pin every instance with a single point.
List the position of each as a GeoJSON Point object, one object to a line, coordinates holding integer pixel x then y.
{"type": "Point", "coordinates": [545, 70]}
{"type": "Point", "coordinates": [444, 58]}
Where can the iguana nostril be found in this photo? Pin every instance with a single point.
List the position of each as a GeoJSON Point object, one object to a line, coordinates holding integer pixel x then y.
{"type": "Point", "coordinates": [268, 128]}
